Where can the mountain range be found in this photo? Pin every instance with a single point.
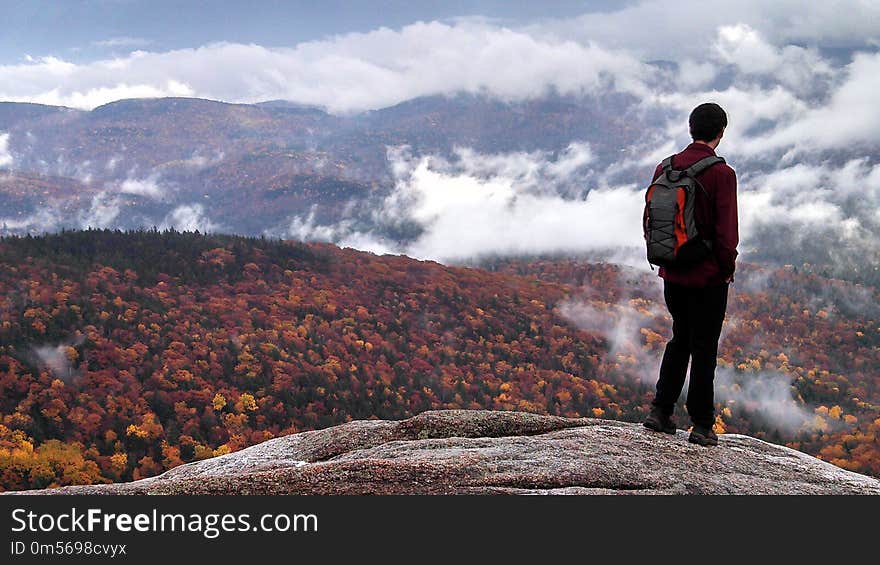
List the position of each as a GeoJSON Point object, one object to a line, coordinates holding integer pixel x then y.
{"type": "Point", "coordinates": [251, 167]}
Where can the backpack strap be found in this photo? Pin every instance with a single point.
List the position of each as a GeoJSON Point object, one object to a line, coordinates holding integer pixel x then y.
{"type": "Point", "coordinates": [702, 165]}
{"type": "Point", "coordinates": [667, 170]}
{"type": "Point", "coordinates": [699, 167]}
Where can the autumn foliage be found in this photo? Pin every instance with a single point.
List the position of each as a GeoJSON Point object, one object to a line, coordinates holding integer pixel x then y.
{"type": "Point", "coordinates": [124, 354]}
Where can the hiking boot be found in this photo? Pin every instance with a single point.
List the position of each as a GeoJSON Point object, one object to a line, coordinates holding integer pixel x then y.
{"type": "Point", "coordinates": [660, 422]}
{"type": "Point", "coordinates": [701, 435]}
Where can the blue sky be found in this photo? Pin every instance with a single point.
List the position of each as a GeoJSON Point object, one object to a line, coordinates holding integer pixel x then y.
{"type": "Point", "coordinates": [80, 30]}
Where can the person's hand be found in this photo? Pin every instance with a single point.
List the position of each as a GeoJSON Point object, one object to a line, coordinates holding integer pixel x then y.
{"type": "Point", "coordinates": [729, 280]}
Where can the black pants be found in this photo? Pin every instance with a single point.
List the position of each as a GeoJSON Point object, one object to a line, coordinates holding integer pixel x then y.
{"type": "Point", "coordinates": [697, 315]}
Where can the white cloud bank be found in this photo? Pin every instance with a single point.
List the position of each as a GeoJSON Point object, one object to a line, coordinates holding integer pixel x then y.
{"type": "Point", "coordinates": [779, 75]}
{"type": "Point", "coordinates": [769, 52]}
{"type": "Point", "coordinates": [352, 72]}
{"type": "Point", "coordinates": [477, 204]}
{"type": "Point", "coordinates": [520, 204]}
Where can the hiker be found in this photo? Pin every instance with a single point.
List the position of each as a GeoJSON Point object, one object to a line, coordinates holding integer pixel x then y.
{"type": "Point", "coordinates": [695, 290]}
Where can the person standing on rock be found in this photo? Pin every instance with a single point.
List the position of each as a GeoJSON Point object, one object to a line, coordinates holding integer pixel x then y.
{"type": "Point", "coordinates": [696, 294]}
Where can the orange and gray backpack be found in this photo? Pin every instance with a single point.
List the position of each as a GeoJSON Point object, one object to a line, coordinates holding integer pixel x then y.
{"type": "Point", "coordinates": [669, 221]}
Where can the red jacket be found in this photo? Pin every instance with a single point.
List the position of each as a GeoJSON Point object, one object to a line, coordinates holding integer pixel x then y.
{"type": "Point", "coordinates": [716, 221]}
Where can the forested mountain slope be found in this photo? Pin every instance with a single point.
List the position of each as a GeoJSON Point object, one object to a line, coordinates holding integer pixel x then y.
{"type": "Point", "coordinates": [123, 354]}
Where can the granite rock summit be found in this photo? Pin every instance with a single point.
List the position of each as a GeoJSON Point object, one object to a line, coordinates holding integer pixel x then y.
{"type": "Point", "coordinates": [488, 452]}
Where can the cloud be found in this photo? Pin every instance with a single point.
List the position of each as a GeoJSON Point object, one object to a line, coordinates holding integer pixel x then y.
{"type": "Point", "coordinates": [45, 219]}
{"type": "Point", "coordinates": [305, 229]}
{"type": "Point", "coordinates": [466, 218]}
{"type": "Point", "coordinates": [474, 205]}
{"type": "Point", "coordinates": [766, 396]}
{"type": "Point", "coordinates": [54, 81]}
{"type": "Point", "coordinates": [783, 102]}
{"type": "Point", "coordinates": [199, 161]}
{"type": "Point", "coordinates": [696, 74]}
{"type": "Point", "coordinates": [5, 155]}
{"type": "Point", "coordinates": [189, 217]}
{"type": "Point", "coordinates": [748, 107]}
{"type": "Point", "coordinates": [834, 296]}
{"type": "Point", "coordinates": [762, 61]}
{"type": "Point", "coordinates": [851, 116]}
{"type": "Point", "coordinates": [774, 49]}
{"type": "Point", "coordinates": [58, 358]}
{"type": "Point", "coordinates": [793, 66]}
{"type": "Point", "coordinates": [621, 324]}
{"type": "Point", "coordinates": [817, 198]}
{"type": "Point", "coordinates": [345, 73]}
{"type": "Point", "coordinates": [477, 204]}
{"type": "Point", "coordinates": [98, 96]}
{"type": "Point", "coordinates": [677, 29]}
{"type": "Point", "coordinates": [148, 187]}
{"type": "Point", "coordinates": [537, 170]}
{"type": "Point", "coordinates": [102, 212]}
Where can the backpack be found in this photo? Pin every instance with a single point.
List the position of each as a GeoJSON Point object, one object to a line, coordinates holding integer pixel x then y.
{"type": "Point", "coordinates": [669, 221]}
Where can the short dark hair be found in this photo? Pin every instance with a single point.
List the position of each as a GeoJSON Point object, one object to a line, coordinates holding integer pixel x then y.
{"type": "Point", "coordinates": [706, 121]}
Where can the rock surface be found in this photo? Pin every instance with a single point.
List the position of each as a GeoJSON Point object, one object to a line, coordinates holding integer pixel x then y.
{"type": "Point", "coordinates": [484, 452]}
